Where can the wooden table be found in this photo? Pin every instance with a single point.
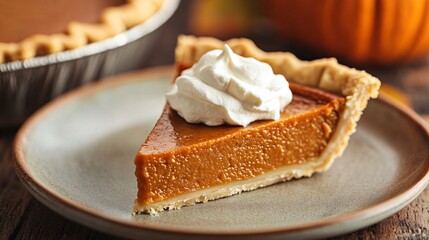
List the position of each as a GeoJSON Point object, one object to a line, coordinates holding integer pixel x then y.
{"type": "Point", "coordinates": [23, 217]}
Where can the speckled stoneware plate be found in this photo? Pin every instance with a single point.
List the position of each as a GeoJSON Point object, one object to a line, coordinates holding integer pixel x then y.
{"type": "Point", "coordinates": [76, 156]}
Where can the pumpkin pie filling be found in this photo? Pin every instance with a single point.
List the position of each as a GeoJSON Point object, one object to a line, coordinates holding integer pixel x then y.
{"type": "Point", "coordinates": [22, 18]}
{"type": "Point", "coordinates": [183, 163]}
{"type": "Point", "coordinates": [169, 165]}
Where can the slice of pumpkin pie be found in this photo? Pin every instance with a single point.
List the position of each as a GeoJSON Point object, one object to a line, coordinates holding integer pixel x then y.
{"type": "Point", "coordinates": [238, 119]}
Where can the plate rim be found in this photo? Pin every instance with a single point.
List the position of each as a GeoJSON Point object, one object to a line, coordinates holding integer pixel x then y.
{"type": "Point", "coordinates": [43, 193]}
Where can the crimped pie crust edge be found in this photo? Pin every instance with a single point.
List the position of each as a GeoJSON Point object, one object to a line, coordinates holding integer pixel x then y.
{"type": "Point", "coordinates": [113, 20]}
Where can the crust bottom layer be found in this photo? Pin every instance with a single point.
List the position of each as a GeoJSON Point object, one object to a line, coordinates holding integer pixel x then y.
{"type": "Point", "coordinates": [275, 176]}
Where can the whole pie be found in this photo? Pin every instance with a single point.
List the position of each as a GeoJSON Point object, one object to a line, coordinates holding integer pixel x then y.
{"type": "Point", "coordinates": [183, 163]}
{"type": "Point", "coordinates": [43, 27]}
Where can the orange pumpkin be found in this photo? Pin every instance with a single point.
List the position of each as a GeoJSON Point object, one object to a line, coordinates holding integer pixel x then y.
{"type": "Point", "coordinates": [360, 31]}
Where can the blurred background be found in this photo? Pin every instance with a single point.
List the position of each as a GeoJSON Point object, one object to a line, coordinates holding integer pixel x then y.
{"type": "Point", "coordinates": [389, 39]}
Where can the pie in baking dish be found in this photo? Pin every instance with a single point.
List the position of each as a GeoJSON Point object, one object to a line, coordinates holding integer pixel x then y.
{"type": "Point", "coordinates": [43, 27]}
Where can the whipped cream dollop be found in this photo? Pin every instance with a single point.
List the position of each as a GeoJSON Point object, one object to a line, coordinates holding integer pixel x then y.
{"type": "Point", "coordinates": [223, 87]}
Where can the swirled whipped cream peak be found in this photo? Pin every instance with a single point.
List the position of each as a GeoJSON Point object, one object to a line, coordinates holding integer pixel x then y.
{"type": "Point", "coordinates": [223, 87]}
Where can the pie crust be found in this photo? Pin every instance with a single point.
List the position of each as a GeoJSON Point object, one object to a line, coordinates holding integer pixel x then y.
{"type": "Point", "coordinates": [113, 20]}
{"type": "Point", "coordinates": [356, 86]}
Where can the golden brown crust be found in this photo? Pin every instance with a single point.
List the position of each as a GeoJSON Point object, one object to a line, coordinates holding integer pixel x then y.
{"type": "Point", "coordinates": [326, 74]}
{"type": "Point", "coordinates": [113, 20]}
{"type": "Point", "coordinates": [356, 86]}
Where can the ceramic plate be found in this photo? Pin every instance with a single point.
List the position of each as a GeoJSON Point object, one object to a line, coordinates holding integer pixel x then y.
{"type": "Point", "coordinates": [76, 156]}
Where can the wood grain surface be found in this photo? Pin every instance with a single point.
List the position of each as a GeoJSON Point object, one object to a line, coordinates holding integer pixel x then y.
{"type": "Point", "coordinates": [23, 217]}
